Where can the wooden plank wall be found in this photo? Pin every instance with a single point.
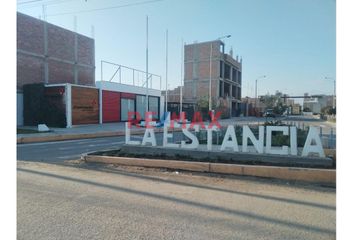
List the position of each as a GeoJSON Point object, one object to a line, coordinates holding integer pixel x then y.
{"type": "Point", "coordinates": [85, 105]}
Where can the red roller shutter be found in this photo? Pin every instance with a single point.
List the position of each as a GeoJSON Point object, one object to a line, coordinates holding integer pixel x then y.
{"type": "Point", "coordinates": [110, 106]}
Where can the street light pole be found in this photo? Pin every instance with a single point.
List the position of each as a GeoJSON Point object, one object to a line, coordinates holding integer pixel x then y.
{"type": "Point", "coordinates": [334, 90]}
{"type": "Point", "coordinates": [210, 66]}
{"type": "Point", "coordinates": [211, 53]}
{"type": "Point", "coordinates": [166, 101]}
{"type": "Point", "coordinates": [256, 93]}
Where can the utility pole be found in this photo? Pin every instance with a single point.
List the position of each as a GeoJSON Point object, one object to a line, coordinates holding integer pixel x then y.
{"type": "Point", "coordinates": [180, 95]}
{"type": "Point", "coordinates": [334, 90]}
{"type": "Point", "coordinates": [147, 66]}
{"type": "Point", "coordinates": [166, 71]}
{"type": "Point", "coordinates": [256, 93]}
{"type": "Point", "coordinates": [210, 61]}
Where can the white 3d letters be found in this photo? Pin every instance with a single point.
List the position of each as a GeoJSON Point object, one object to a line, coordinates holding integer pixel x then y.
{"type": "Point", "coordinates": [166, 136]}
{"type": "Point", "coordinates": [317, 147]}
{"type": "Point", "coordinates": [247, 134]}
{"type": "Point", "coordinates": [127, 136]}
{"type": "Point", "coordinates": [313, 144]}
{"type": "Point", "coordinates": [226, 143]}
{"type": "Point", "coordinates": [149, 137]}
{"type": "Point", "coordinates": [195, 142]}
{"type": "Point", "coordinates": [284, 149]}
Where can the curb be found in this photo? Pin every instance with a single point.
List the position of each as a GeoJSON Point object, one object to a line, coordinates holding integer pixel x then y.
{"type": "Point", "coordinates": [64, 137]}
{"type": "Point", "coordinates": [312, 175]}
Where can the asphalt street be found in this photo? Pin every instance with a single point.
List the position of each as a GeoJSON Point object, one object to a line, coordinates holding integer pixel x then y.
{"type": "Point", "coordinates": [60, 151]}
{"type": "Point", "coordinates": [83, 202]}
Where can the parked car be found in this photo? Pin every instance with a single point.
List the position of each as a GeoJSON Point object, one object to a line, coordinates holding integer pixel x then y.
{"type": "Point", "coordinates": [269, 113]}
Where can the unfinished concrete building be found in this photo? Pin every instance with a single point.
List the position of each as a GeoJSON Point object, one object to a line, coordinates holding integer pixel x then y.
{"type": "Point", "coordinates": [225, 75]}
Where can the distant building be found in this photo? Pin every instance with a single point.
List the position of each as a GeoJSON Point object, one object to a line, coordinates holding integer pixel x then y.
{"type": "Point", "coordinates": [316, 104]}
{"type": "Point", "coordinates": [249, 106]}
{"type": "Point", "coordinates": [296, 109]}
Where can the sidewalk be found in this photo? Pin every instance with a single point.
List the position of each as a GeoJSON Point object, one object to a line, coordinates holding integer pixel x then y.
{"type": "Point", "coordinates": [77, 132]}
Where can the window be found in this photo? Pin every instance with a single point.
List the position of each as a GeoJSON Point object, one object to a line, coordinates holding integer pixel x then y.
{"type": "Point", "coordinates": [234, 74]}
{"type": "Point", "coordinates": [154, 107]}
{"type": "Point", "coordinates": [140, 105]}
{"type": "Point", "coordinates": [227, 71]}
{"type": "Point", "coordinates": [220, 88]}
{"type": "Point", "coordinates": [238, 96]}
{"type": "Point", "coordinates": [221, 68]}
{"type": "Point", "coordinates": [234, 94]}
{"type": "Point", "coordinates": [127, 105]}
{"type": "Point", "coordinates": [226, 89]}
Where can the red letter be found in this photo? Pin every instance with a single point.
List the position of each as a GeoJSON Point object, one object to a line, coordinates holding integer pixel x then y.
{"type": "Point", "coordinates": [214, 119]}
{"type": "Point", "coordinates": [148, 119]}
{"type": "Point", "coordinates": [133, 118]}
{"type": "Point", "coordinates": [197, 120]}
{"type": "Point", "coordinates": [179, 118]}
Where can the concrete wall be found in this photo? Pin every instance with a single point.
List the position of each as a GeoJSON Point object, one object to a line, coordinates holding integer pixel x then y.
{"type": "Point", "coordinates": [50, 54]}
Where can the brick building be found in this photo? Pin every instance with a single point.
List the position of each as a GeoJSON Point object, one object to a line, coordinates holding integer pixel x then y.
{"type": "Point", "coordinates": [50, 54]}
{"type": "Point", "coordinates": [226, 76]}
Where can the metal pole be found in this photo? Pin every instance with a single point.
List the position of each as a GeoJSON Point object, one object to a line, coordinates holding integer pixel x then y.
{"type": "Point", "coordinates": [166, 70]}
{"type": "Point", "coordinates": [211, 52]}
{"type": "Point", "coordinates": [101, 70]}
{"type": "Point", "coordinates": [120, 74]}
{"type": "Point", "coordinates": [133, 78]}
{"type": "Point", "coordinates": [332, 139]}
{"type": "Point", "coordinates": [44, 9]}
{"type": "Point", "coordinates": [334, 94]}
{"type": "Point", "coordinates": [180, 97]}
{"type": "Point", "coordinates": [147, 65]}
{"type": "Point", "coordinates": [255, 96]}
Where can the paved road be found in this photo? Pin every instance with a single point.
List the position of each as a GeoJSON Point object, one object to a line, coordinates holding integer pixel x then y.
{"type": "Point", "coordinates": [65, 150]}
{"type": "Point", "coordinates": [63, 202]}
{"type": "Point", "coordinates": [68, 150]}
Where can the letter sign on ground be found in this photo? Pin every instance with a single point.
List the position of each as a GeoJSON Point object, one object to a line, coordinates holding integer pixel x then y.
{"type": "Point", "coordinates": [313, 144]}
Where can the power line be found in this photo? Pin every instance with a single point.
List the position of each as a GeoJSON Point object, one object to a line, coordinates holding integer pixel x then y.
{"type": "Point", "coordinates": [38, 3]}
{"type": "Point", "coordinates": [106, 8]}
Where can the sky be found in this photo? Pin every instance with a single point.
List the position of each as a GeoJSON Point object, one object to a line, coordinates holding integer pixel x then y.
{"type": "Point", "coordinates": [292, 42]}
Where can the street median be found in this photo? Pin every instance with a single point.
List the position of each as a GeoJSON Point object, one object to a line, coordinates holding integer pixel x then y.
{"type": "Point", "coordinates": [313, 175]}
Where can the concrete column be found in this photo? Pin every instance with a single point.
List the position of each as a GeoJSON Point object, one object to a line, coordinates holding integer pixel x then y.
{"type": "Point", "coordinates": [68, 105]}
{"type": "Point", "coordinates": [46, 68]}
{"type": "Point", "coordinates": [76, 75]}
{"type": "Point", "coordinates": [100, 104]}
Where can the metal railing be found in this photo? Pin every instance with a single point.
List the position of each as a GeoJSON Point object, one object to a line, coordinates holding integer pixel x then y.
{"type": "Point", "coordinates": [128, 75]}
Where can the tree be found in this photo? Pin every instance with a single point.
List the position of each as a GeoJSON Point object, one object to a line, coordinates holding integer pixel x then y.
{"type": "Point", "coordinates": [328, 110]}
